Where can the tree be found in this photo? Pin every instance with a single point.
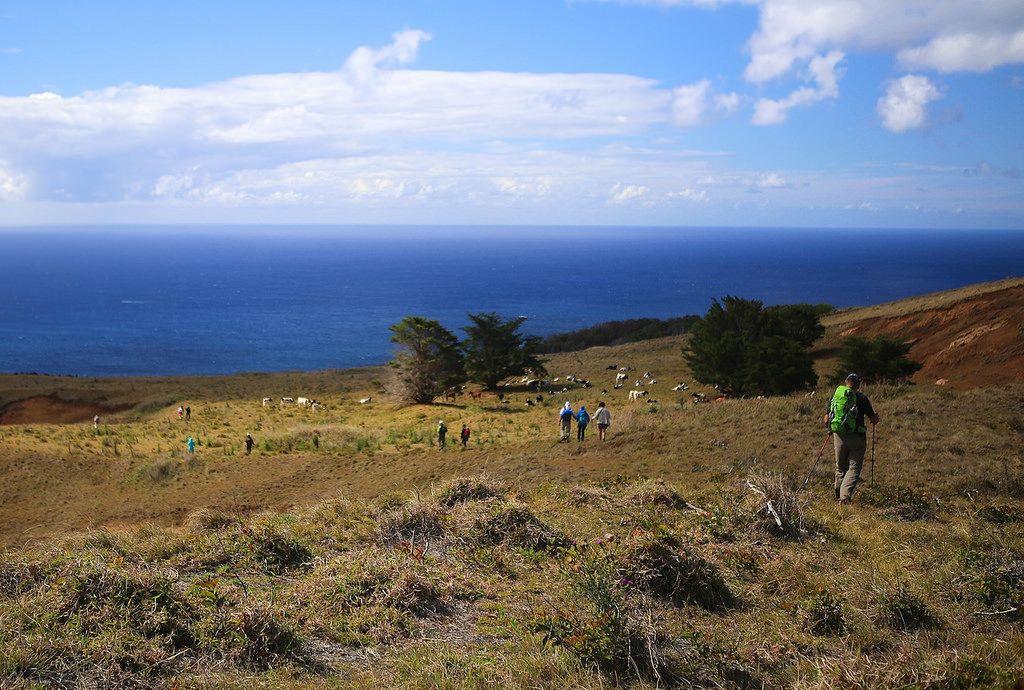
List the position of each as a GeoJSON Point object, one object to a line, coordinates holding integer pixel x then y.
{"type": "Point", "coordinates": [496, 350]}
{"type": "Point", "coordinates": [746, 349]}
{"type": "Point", "coordinates": [429, 361]}
{"type": "Point", "coordinates": [882, 359]}
{"type": "Point", "coordinates": [799, 322]}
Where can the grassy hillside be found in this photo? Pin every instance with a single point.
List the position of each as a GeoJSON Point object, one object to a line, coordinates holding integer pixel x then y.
{"type": "Point", "coordinates": [348, 551]}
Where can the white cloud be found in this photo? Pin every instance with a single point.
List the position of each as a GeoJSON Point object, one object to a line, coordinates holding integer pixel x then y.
{"type": "Point", "coordinates": [951, 36]}
{"type": "Point", "coordinates": [770, 181]}
{"type": "Point", "coordinates": [13, 185]}
{"type": "Point", "coordinates": [690, 194]}
{"type": "Point", "coordinates": [622, 194]}
{"type": "Point", "coordinates": [966, 52]}
{"type": "Point", "coordinates": [905, 104]}
{"type": "Point", "coordinates": [694, 104]}
{"type": "Point", "coordinates": [822, 71]}
{"type": "Point", "coordinates": [215, 141]}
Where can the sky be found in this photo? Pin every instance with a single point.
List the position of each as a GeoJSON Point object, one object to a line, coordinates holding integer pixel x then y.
{"type": "Point", "coordinates": [766, 113]}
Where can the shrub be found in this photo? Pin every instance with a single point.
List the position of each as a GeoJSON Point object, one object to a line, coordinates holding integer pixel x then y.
{"type": "Point", "coordinates": [778, 510]}
{"type": "Point", "coordinates": [999, 586]}
{"type": "Point", "coordinates": [466, 489]}
{"type": "Point", "coordinates": [897, 607]}
{"type": "Point", "coordinates": [253, 637]}
{"type": "Point", "coordinates": [209, 520]}
{"type": "Point", "coordinates": [663, 566]}
{"type": "Point", "coordinates": [272, 548]}
{"type": "Point", "coordinates": [826, 614]}
{"type": "Point", "coordinates": [411, 522]}
{"type": "Point", "coordinates": [514, 524]}
{"type": "Point", "coordinates": [615, 632]}
{"type": "Point", "coordinates": [900, 503]}
{"type": "Point", "coordinates": [655, 492]}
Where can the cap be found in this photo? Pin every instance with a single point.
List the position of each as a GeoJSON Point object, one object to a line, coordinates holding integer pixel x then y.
{"type": "Point", "coordinates": [853, 377]}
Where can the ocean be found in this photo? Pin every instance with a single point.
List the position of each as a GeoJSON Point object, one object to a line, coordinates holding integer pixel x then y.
{"type": "Point", "coordinates": [195, 300]}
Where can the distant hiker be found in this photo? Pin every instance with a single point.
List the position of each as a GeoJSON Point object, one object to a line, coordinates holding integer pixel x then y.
{"type": "Point", "coordinates": [249, 443]}
{"type": "Point", "coordinates": [96, 422]}
{"type": "Point", "coordinates": [181, 411]}
{"type": "Point", "coordinates": [464, 435]}
{"type": "Point", "coordinates": [188, 413]}
{"type": "Point", "coordinates": [565, 422]}
{"type": "Point", "coordinates": [603, 419]}
{"type": "Point", "coordinates": [191, 446]}
{"type": "Point", "coordinates": [847, 411]}
{"type": "Point", "coordinates": [442, 430]}
{"type": "Point", "coordinates": [582, 419]}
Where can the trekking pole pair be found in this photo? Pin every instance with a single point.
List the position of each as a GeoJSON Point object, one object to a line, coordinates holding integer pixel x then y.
{"type": "Point", "coordinates": [819, 458]}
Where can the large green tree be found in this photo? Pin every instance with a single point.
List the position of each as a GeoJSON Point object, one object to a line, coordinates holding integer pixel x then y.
{"type": "Point", "coordinates": [747, 349]}
{"type": "Point", "coordinates": [882, 359]}
{"type": "Point", "coordinates": [429, 360]}
{"type": "Point", "coordinates": [495, 349]}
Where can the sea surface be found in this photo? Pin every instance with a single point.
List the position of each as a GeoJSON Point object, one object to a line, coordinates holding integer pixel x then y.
{"type": "Point", "coordinates": [161, 300]}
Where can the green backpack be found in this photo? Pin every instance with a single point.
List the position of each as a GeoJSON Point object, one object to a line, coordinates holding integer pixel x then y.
{"type": "Point", "coordinates": [842, 411]}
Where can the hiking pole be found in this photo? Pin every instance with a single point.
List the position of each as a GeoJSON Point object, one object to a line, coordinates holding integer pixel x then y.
{"type": "Point", "coordinates": [872, 456]}
{"type": "Point", "coordinates": [817, 459]}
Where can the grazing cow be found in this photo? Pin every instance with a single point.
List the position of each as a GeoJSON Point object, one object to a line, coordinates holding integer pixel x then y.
{"type": "Point", "coordinates": [302, 401]}
{"type": "Point", "coordinates": [365, 401]}
{"type": "Point", "coordinates": [636, 394]}
{"type": "Point", "coordinates": [475, 395]}
{"type": "Point", "coordinates": [266, 402]}
{"type": "Point", "coordinates": [288, 401]}
{"type": "Point", "coordinates": [620, 377]}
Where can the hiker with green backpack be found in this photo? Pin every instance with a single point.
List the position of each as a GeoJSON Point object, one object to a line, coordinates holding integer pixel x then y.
{"type": "Point", "coordinates": [846, 413]}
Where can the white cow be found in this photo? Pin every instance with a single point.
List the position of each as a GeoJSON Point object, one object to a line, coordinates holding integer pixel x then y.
{"type": "Point", "coordinates": [266, 402]}
{"type": "Point", "coordinates": [637, 394]}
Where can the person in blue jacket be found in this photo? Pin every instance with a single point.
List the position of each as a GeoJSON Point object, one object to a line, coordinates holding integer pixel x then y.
{"type": "Point", "coordinates": [565, 422]}
{"type": "Point", "coordinates": [582, 419]}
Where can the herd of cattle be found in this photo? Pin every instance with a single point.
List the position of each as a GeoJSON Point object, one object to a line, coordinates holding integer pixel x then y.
{"type": "Point", "coordinates": [301, 402]}
{"type": "Point", "coordinates": [639, 390]}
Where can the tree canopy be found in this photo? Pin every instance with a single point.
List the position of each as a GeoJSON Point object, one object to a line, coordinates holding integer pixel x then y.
{"type": "Point", "coordinates": [882, 359]}
{"type": "Point", "coordinates": [747, 349]}
{"type": "Point", "coordinates": [495, 349]}
{"type": "Point", "coordinates": [429, 361]}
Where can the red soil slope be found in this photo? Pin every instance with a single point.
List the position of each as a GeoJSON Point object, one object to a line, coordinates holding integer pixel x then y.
{"type": "Point", "coordinates": [975, 342]}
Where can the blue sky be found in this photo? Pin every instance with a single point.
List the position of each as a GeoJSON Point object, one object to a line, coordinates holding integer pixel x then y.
{"type": "Point", "coordinates": [821, 113]}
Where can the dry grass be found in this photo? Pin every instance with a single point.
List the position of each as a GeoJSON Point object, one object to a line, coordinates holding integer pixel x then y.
{"type": "Point", "coordinates": [348, 550]}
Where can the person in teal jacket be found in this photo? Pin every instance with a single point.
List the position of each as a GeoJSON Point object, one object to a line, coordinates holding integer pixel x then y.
{"type": "Point", "coordinates": [582, 419]}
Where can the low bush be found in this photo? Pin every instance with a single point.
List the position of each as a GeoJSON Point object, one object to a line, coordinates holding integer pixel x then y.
{"type": "Point", "coordinates": [896, 606]}
{"type": "Point", "coordinates": [662, 565]}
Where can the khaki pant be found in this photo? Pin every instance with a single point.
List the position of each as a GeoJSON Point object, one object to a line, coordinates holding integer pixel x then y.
{"type": "Point", "coordinates": [849, 462]}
